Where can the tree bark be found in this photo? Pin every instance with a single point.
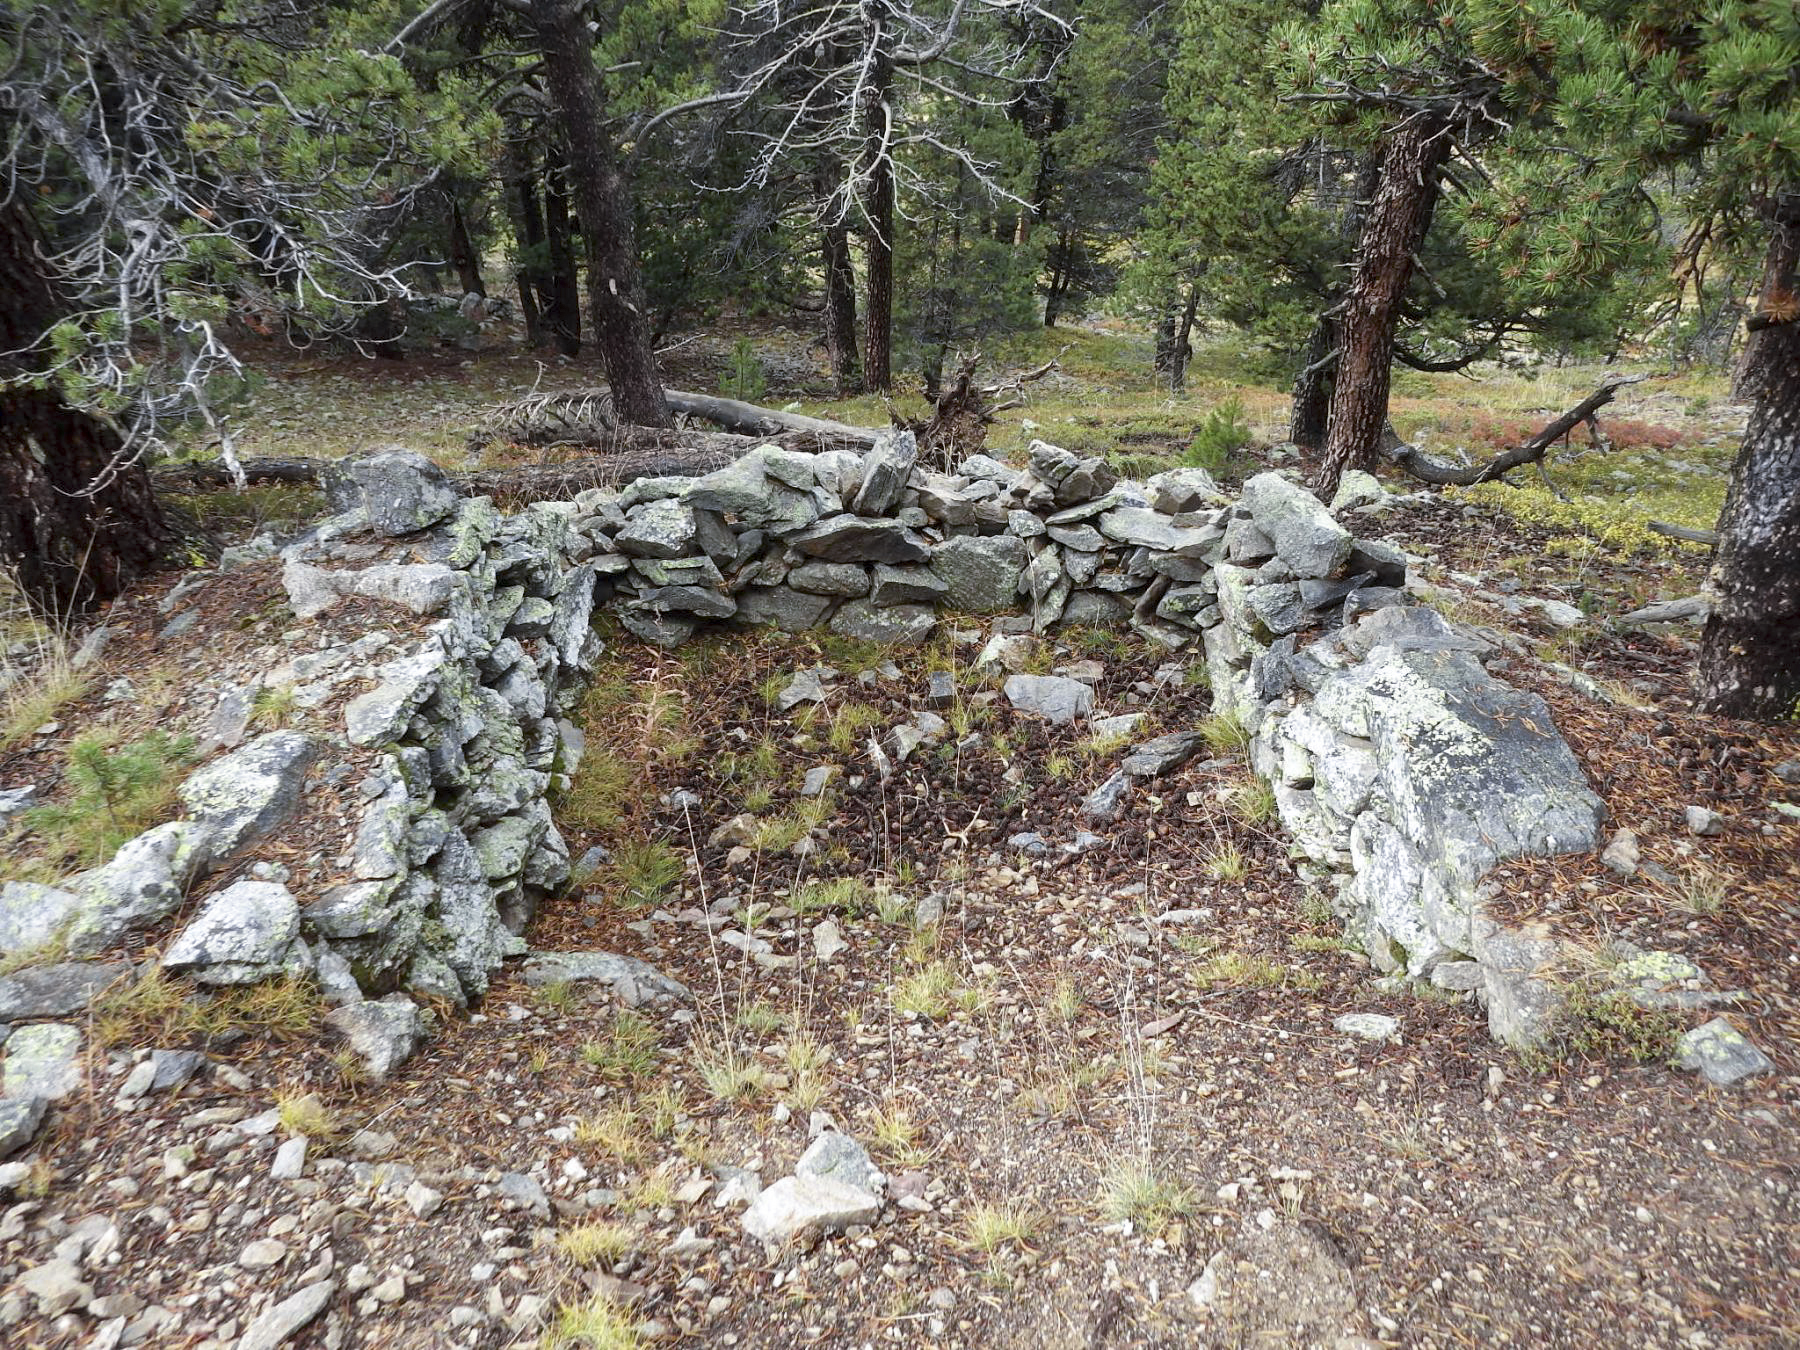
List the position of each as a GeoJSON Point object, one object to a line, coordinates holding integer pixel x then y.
{"type": "Point", "coordinates": [1756, 365]}
{"type": "Point", "coordinates": [67, 547]}
{"type": "Point", "coordinates": [840, 283]}
{"type": "Point", "coordinates": [616, 304]}
{"type": "Point", "coordinates": [1385, 251]}
{"type": "Point", "coordinates": [1750, 648]}
{"type": "Point", "coordinates": [1312, 387]}
{"type": "Point", "coordinates": [463, 254]}
{"type": "Point", "coordinates": [878, 213]}
{"type": "Point", "coordinates": [1184, 348]}
{"type": "Point", "coordinates": [562, 306]}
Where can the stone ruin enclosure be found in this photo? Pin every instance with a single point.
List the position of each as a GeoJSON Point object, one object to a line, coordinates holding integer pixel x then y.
{"type": "Point", "coordinates": [1401, 768]}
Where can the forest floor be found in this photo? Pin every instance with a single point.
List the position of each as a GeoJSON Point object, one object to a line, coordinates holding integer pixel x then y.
{"type": "Point", "coordinates": [1104, 1082]}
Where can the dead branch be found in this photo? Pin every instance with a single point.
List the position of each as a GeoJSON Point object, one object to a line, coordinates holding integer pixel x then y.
{"type": "Point", "coordinates": [1437, 472]}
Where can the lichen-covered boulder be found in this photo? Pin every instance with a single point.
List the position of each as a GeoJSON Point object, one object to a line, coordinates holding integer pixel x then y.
{"type": "Point", "coordinates": [247, 932]}
{"type": "Point", "coordinates": [32, 915]}
{"type": "Point", "coordinates": [1302, 531]}
{"type": "Point", "coordinates": [251, 792]}
{"type": "Point", "coordinates": [980, 572]}
{"type": "Point", "coordinates": [141, 886]}
{"type": "Point", "coordinates": [402, 491]}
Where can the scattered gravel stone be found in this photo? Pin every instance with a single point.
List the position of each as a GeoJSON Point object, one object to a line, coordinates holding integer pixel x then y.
{"type": "Point", "coordinates": [383, 1035]}
{"type": "Point", "coordinates": [262, 1254]}
{"type": "Point", "coordinates": [290, 1161]}
{"type": "Point", "coordinates": [835, 1156]}
{"type": "Point", "coordinates": [20, 1118]}
{"type": "Point", "coordinates": [280, 1322]}
{"type": "Point", "coordinates": [1721, 1053]}
{"type": "Point", "coordinates": [1056, 698]}
{"type": "Point", "coordinates": [56, 990]}
{"type": "Point", "coordinates": [1621, 853]}
{"type": "Point", "coordinates": [1369, 1026]}
{"type": "Point", "coordinates": [56, 1287]}
{"type": "Point", "coordinates": [1703, 822]}
{"type": "Point", "coordinates": [422, 1200]}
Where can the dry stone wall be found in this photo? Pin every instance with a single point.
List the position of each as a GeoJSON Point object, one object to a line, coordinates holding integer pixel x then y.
{"type": "Point", "coordinates": [1400, 766]}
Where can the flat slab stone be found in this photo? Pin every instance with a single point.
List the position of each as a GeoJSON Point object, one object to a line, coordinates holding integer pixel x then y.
{"type": "Point", "coordinates": [247, 932]}
{"type": "Point", "coordinates": [1298, 524]}
{"type": "Point", "coordinates": [42, 1060]}
{"type": "Point", "coordinates": [1056, 698]}
{"type": "Point", "coordinates": [624, 973]}
{"type": "Point", "coordinates": [57, 990]}
{"type": "Point", "coordinates": [861, 539]}
{"type": "Point", "coordinates": [798, 1206]}
{"type": "Point", "coordinates": [251, 791]}
{"type": "Point", "coordinates": [892, 624]}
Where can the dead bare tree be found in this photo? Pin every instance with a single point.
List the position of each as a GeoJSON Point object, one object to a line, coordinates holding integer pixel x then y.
{"type": "Point", "coordinates": [156, 192]}
{"type": "Point", "coordinates": [841, 86]}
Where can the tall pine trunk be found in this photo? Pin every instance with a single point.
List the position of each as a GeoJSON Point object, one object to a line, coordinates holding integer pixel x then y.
{"type": "Point", "coordinates": [616, 304]}
{"type": "Point", "coordinates": [1387, 247]}
{"type": "Point", "coordinates": [840, 280]}
{"type": "Point", "coordinates": [1312, 387]}
{"type": "Point", "coordinates": [878, 212]}
{"type": "Point", "coordinates": [68, 547]}
{"type": "Point", "coordinates": [562, 301]}
{"type": "Point", "coordinates": [1750, 649]}
{"type": "Point", "coordinates": [1756, 365]}
{"type": "Point", "coordinates": [463, 254]}
{"type": "Point", "coordinates": [1184, 332]}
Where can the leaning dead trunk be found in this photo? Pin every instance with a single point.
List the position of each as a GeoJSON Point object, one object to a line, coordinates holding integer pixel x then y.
{"type": "Point", "coordinates": [66, 544]}
{"type": "Point", "coordinates": [1385, 251]}
{"type": "Point", "coordinates": [616, 305]}
{"type": "Point", "coordinates": [1750, 649]}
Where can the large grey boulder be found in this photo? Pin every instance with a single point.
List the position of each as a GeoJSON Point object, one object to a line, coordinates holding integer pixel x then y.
{"type": "Point", "coordinates": [42, 1060]}
{"type": "Point", "coordinates": [829, 578]}
{"type": "Point", "coordinates": [402, 492]}
{"type": "Point", "coordinates": [406, 683]}
{"type": "Point", "coordinates": [32, 915]}
{"type": "Point", "coordinates": [907, 586]}
{"type": "Point", "coordinates": [1055, 698]}
{"type": "Point", "coordinates": [767, 489]}
{"type": "Point", "coordinates": [247, 932]}
{"type": "Point", "coordinates": [383, 1034]}
{"type": "Point", "coordinates": [848, 538]}
{"type": "Point", "coordinates": [782, 607]}
{"type": "Point", "coordinates": [141, 886]}
{"type": "Point", "coordinates": [1302, 531]}
{"type": "Point", "coordinates": [1177, 490]}
{"type": "Point", "coordinates": [251, 792]}
{"type": "Point", "coordinates": [980, 572]}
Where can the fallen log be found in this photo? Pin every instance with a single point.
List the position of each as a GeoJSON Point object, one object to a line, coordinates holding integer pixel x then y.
{"type": "Point", "coordinates": [736, 415]}
{"type": "Point", "coordinates": [1435, 471]}
{"type": "Point", "coordinates": [1708, 537]}
{"type": "Point", "coordinates": [1689, 609]}
{"type": "Point", "coordinates": [629, 453]}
